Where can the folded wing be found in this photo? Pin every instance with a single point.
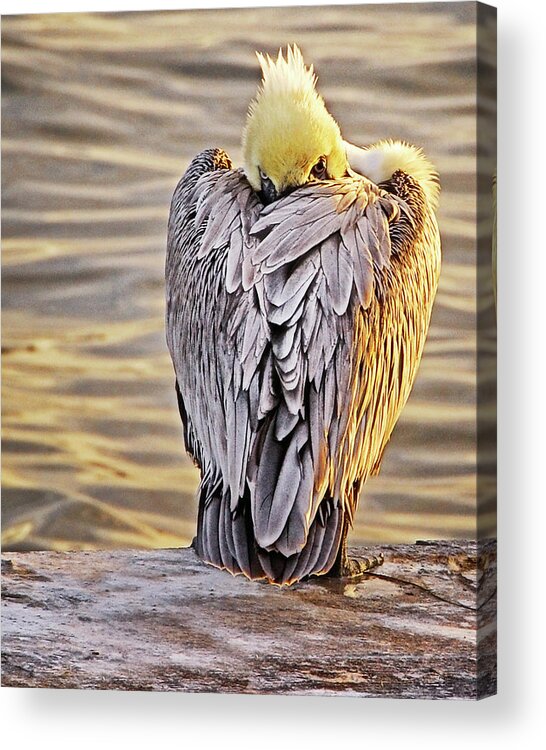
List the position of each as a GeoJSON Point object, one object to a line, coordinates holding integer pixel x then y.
{"type": "Point", "coordinates": [271, 314]}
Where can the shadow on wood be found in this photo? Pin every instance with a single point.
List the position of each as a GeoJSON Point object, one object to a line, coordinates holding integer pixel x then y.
{"type": "Point", "coordinates": [421, 626]}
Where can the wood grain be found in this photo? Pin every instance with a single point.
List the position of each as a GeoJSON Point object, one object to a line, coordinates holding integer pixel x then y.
{"type": "Point", "coordinates": [422, 626]}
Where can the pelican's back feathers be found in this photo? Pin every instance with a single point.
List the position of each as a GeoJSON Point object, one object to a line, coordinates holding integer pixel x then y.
{"type": "Point", "coordinates": [296, 331]}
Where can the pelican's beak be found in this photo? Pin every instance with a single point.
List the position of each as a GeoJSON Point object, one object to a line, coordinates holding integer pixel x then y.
{"type": "Point", "coordinates": [268, 193]}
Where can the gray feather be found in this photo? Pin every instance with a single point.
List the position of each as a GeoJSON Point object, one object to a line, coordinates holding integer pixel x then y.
{"type": "Point", "coordinates": [272, 316]}
{"type": "Point", "coordinates": [337, 265]}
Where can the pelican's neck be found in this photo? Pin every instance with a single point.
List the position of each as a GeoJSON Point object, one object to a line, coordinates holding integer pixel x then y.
{"type": "Point", "coordinates": [381, 160]}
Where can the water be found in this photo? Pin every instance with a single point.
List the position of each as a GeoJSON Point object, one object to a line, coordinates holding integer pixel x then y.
{"type": "Point", "coordinates": [101, 114]}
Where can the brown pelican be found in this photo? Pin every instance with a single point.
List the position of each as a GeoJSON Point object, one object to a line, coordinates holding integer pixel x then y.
{"type": "Point", "coordinates": [299, 294]}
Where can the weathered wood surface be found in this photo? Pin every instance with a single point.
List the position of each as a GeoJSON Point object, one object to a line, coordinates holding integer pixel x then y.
{"type": "Point", "coordinates": [161, 620]}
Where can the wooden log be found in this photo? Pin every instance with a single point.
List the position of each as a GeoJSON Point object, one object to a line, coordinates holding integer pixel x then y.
{"type": "Point", "coordinates": [421, 626]}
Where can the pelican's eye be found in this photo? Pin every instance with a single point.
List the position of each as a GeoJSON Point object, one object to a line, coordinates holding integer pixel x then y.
{"type": "Point", "coordinates": [263, 175]}
{"type": "Point", "coordinates": [319, 170]}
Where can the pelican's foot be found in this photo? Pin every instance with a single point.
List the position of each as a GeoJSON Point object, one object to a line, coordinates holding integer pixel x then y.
{"type": "Point", "coordinates": [352, 567]}
{"type": "Point", "coordinates": [357, 566]}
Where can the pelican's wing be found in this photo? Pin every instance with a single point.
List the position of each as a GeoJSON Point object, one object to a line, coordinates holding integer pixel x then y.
{"type": "Point", "coordinates": [324, 254]}
{"type": "Point", "coordinates": [217, 338]}
{"type": "Point", "coordinates": [271, 319]}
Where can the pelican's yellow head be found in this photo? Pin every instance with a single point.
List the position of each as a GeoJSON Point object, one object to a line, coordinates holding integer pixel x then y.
{"type": "Point", "coordinates": [290, 137]}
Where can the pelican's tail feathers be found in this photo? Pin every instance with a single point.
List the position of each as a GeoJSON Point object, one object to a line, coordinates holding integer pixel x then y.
{"type": "Point", "coordinates": [227, 540]}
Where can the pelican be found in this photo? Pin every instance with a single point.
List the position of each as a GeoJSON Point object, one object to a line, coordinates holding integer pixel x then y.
{"type": "Point", "coordinates": [299, 293]}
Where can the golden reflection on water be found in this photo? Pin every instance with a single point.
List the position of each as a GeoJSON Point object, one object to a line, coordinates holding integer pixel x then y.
{"type": "Point", "coordinates": [101, 114]}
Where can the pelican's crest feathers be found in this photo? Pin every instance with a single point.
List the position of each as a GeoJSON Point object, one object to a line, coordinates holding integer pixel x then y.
{"type": "Point", "coordinates": [286, 77]}
{"type": "Point", "coordinates": [288, 126]}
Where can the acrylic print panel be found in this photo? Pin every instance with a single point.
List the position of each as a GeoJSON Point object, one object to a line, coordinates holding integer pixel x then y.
{"type": "Point", "coordinates": [102, 115]}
